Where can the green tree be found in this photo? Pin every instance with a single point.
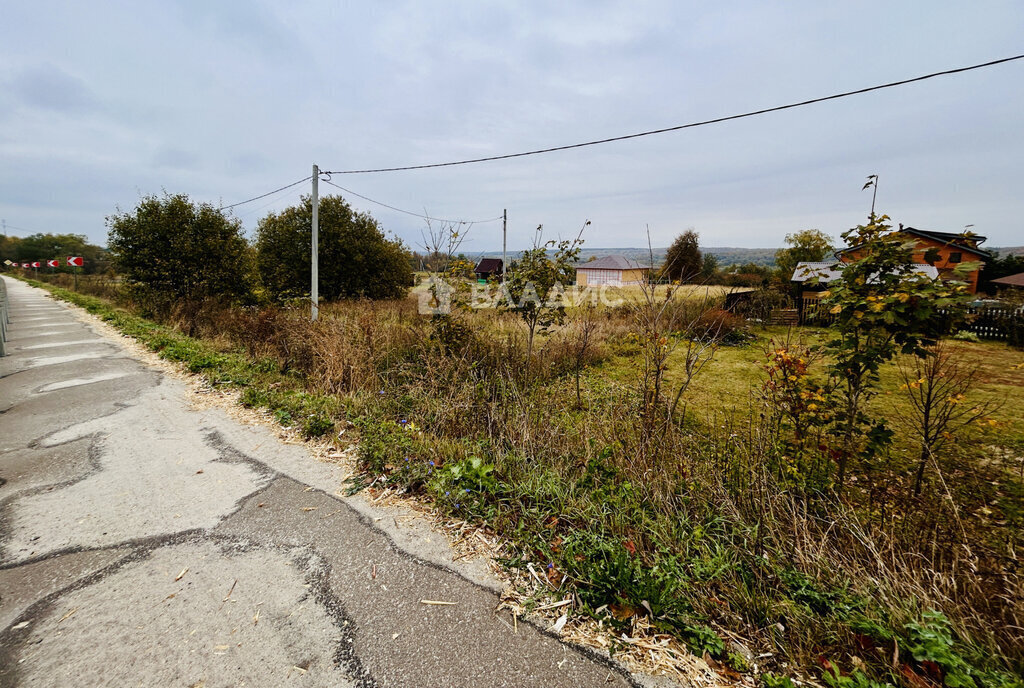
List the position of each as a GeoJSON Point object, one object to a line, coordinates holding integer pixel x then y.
{"type": "Point", "coordinates": [683, 260]}
{"type": "Point", "coordinates": [355, 257]}
{"type": "Point", "coordinates": [172, 249]}
{"type": "Point", "coordinates": [43, 247]}
{"type": "Point", "coordinates": [806, 245]}
{"type": "Point", "coordinates": [533, 286]}
{"type": "Point", "coordinates": [883, 305]}
{"type": "Point", "coordinates": [708, 268]}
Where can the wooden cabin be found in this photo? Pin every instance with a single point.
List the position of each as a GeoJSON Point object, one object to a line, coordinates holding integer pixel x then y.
{"type": "Point", "coordinates": [942, 250]}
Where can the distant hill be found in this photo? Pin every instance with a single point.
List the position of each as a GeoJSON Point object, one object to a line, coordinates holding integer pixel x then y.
{"type": "Point", "coordinates": [725, 255]}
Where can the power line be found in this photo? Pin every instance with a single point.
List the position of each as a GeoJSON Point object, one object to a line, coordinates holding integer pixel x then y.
{"type": "Point", "coordinates": [269, 193]}
{"type": "Point", "coordinates": [691, 125]}
{"type": "Point", "coordinates": [407, 212]}
{"type": "Point", "coordinates": [22, 229]}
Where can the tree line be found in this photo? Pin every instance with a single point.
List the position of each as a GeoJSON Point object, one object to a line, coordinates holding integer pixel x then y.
{"type": "Point", "coordinates": [170, 248]}
{"type": "Point", "coordinates": [46, 246]}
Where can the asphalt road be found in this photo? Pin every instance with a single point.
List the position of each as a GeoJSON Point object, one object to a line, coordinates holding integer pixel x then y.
{"type": "Point", "coordinates": [144, 542]}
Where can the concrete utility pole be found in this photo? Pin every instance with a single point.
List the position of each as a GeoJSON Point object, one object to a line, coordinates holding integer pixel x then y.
{"type": "Point", "coordinates": [315, 277]}
{"type": "Point", "coordinates": [504, 237]}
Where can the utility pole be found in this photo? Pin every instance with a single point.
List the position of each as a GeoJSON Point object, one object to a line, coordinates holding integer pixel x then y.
{"type": "Point", "coordinates": [315, 277]}
{"type": "Point", "coordinates": [504, 238]}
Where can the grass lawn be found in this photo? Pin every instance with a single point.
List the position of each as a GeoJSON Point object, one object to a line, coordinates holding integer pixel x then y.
{"type": "Point", "coordinates": [732, 380]}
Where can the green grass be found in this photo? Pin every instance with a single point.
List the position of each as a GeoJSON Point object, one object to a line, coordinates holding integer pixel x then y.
{"type": "Point", "coordinates": [262, 384]}
{"type": "Point", "coordinates": [567, 486]}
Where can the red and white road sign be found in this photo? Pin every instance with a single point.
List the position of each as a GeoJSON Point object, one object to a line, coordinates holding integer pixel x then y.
{"type": "Point", "coordinates": [37, 264]}
{"type": "Point", "coordinates": [76, 261]}
{"type": "Point", "coordinates": [53, 263]}
{"type": "Point", "coordinates": [25, 265]}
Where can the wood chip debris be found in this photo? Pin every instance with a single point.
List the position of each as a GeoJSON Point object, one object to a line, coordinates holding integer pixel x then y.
{"type": "Point", "coordinates": [556, 605]}
{"type": "Point", "coordinates": [181, 575]}
{"type": "Point", "coordinates": [228, 596]}
{"type": "Point", "coordinates": [68, 615]}
{"type": "Point", "coordinates": [438, 603]}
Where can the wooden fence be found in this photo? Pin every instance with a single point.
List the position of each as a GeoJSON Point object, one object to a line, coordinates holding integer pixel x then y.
{"type": "Point", "coordinates": [992, 322]}
{"type": "Point", "coordinates": [985, 321]}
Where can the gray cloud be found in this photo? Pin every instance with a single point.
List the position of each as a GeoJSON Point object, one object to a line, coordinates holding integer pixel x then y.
{"type": "Point", "coordinates": [225, 101]}
{"type": "Point", "coordinates": [49, 87]}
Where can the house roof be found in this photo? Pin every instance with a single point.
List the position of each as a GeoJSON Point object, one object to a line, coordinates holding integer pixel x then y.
{"type": "Point", "coordinates": [488, 265]}
{"type": "Point", "coordinates": [1011, 280]}
{"type": "Point", "coordinates": [829, 271]}
{"type": "Point", "coordinates": [824, 271]}
{"type": "Point", "coordinates": [612, 263]}
{"type": "Point", "coordinates": [947, 238]}
{"type": "Point", "coordinates": [958, 240]}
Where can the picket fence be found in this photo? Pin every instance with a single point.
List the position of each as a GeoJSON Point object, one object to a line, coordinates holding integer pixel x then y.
{"type": "Point", "coordinates": [987, 322]}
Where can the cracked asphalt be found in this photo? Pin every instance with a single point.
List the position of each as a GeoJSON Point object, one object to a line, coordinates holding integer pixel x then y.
{"type": "Point", "coordinates": [144, 542]}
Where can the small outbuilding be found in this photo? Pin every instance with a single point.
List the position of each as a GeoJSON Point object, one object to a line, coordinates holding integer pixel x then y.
{"type": "Point", "coordinates": [488, 268]}
{"type": "Point", "coordinates": [614, 271]}
{"type": "Point", "coordinates": [1010, 281]}
{"type": "Point", "coordinates": [826, 272]}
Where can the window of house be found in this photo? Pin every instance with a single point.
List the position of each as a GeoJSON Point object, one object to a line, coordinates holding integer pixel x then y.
{"type": "Point", "coordinates": [955, 257]}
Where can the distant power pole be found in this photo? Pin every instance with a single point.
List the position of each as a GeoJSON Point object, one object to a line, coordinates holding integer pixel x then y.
{"type": "Point", "coordinates": [315, 249]}
{"type": "Point", "coordinates": [504, 238]}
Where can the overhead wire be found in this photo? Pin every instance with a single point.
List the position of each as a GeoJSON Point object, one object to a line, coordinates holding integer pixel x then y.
{"type": "Point", "coordinates": [409, 212]}
{"type": "Point", "coordinates": [269, 193]}
{"type": "Point", "coordinates": [691, 125]}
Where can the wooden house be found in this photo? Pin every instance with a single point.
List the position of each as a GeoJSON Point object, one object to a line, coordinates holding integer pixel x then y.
{"type": "Point", "coordinates": [942, 250]}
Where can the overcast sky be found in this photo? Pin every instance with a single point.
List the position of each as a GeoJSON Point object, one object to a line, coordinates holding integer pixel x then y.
{"type": "Point", "coordinates": [103, 102]}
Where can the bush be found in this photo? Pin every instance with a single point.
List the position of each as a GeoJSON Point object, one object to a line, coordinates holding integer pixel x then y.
{"type": "Point", "coordinates": [171, 250]}
{"type": "Point", "coordinates": [355, 258]}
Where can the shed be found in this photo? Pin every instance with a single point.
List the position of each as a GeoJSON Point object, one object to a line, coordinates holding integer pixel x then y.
{"type": "Point", "coordinates": [489, 267]}
{"type": "Point", "coordinates": [1011, 281]}
{"type": "Point", "coordinates": [614, 271]}
{"type": "Point", "coordinates": [831, 270]}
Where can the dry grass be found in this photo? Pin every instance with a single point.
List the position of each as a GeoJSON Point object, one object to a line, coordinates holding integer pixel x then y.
{"type": "Point", "coordinates": [709, 505]}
